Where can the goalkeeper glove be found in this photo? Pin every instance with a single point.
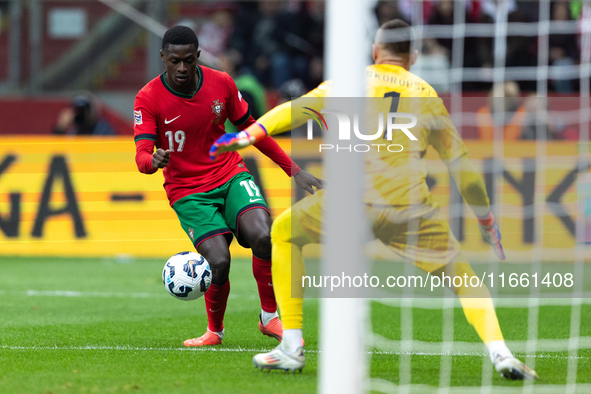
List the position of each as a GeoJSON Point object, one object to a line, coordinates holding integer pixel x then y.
{"type": "Point", "coordinates": [235, 141]}
{"type": "Point", "coordinates": [492, 235]}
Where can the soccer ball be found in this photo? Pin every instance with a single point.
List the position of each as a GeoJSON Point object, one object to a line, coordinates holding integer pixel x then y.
{"type": "Point", "coordinates": [186, 276]}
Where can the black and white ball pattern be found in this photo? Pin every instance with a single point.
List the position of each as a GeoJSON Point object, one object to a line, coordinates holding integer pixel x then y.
{"type": "Point", "coordinates": [186, 276]}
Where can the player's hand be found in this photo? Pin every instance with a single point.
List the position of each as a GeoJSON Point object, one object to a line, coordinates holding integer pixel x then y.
{"type": "Point", "coordinates": [308, 182]}
{"type": "Point", "coordinates": [235, 141]}
{"type": "Point", "coordinates": [160, 158]}
{"type": "Point", "coordinates": [492, 235]}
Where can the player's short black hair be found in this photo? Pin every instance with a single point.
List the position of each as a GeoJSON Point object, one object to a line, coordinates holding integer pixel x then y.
{"type": "Point", "coordinates": [395, 36]}
{"type": "Point", "coordinates": [179, 35]}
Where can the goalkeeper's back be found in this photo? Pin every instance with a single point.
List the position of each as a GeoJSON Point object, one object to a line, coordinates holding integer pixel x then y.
{"type": "Point", "coordinates": [396, 176]}
{"type": "Point", "coordinates": [399, 178]}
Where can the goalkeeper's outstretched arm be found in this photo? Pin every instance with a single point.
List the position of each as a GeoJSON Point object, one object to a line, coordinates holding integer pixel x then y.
{"type": "Point", "coordinates": [279, 120]}
{"type": "Point", "coordinates": [472, 188]}
{"type": "Point", "coordinates": [276, 121]}
{"type": "Point", "coordinates": [448, 143]}
{"type": "Point", "coordinates": [470, 184]}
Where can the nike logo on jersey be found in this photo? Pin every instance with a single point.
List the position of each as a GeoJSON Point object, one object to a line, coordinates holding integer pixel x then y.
{"type": "Point", "coordinates": [255, 199]}
{"type": "Point", "coordinates": [166, 121]}
{"type": "Point", "coordinates": [217, 310]}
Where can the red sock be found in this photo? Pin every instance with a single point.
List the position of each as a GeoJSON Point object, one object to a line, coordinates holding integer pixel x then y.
{"type": "Point", "coordinates": [262, 273]}
{"type": "Point", "coordinates": [216, 299]}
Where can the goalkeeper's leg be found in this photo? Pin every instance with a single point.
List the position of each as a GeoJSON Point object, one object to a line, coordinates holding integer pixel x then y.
{"type": "Point", "coordinates": [476, 301]}
{"type": "Point", "coordinates": [288, 265]}
{"type": "Point", "coordinates": [293, 229]}
{"type": "Point", "coordinates": [480, 313]}
{"type": "Point", "coordinates": [434, 248]}
{"type": "Point", "coordinates": [288, 268]}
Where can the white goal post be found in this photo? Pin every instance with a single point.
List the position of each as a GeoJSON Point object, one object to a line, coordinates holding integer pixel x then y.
{"type": "Point", "coordinates": [343, 359]}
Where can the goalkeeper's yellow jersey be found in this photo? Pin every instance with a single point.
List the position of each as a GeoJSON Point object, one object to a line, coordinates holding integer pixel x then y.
{"type": "Point", "coordinates": [394, 179]}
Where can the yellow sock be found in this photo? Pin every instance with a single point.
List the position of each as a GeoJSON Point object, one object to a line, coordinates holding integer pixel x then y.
{"type": "Point", "coordinates": [476, 302]}
{"type": "Point", "coordinates": [480, 313]}
{"type": "Point", "coordinates": [287, 261]}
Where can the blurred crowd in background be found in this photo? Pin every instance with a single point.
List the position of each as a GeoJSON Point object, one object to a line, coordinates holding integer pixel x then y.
{"type": "Point", "coordinates": [273, 49]}
{"type": "Point", "coordinates": [279, 47]}
{"type": "Point", "coordinates": [280, 41]}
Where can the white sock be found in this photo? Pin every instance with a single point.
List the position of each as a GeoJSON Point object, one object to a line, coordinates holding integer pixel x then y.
{"type": "Point", "coordinates": [219, 334]}
{"type": "Point", "coordinates": [498, 347]}
{"type": "Point", "coordinates": [266, 317]}
{"type": "Point", "coordinates": [292, 340]}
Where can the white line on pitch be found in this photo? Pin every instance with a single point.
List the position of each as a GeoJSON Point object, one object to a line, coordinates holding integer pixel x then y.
{"type": "Point", "coordinates": [422, 303]}
{"type": "Point", "coordinates": [98, 294]}
{"type": "Point", "coordinates": [70, 293]}
{"type": "Point", "coordinates": [243, 350]}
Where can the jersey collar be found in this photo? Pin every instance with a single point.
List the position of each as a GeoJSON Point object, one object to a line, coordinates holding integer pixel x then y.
{"type": "Point", "coordinates": [199, 84]}
{"type": "Point", "coordinates": [389, 65]}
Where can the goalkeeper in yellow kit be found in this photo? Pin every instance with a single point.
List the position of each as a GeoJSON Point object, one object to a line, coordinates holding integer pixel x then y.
{"type": "Point", "coordinates": [394, 178]}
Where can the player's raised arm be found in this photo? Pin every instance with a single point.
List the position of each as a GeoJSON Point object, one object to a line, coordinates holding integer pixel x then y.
{"type": "Point", "coordinates": [447, 142]}
{"type": "Point", "coordinates": [278, 120]}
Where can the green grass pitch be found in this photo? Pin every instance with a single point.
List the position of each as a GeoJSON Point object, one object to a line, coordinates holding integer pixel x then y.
{"type": "Point", "coordinates": [99, 326]}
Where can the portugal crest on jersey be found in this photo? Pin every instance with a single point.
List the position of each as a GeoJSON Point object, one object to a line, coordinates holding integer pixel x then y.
{"type": "Point", "coordinates": [217, 109]}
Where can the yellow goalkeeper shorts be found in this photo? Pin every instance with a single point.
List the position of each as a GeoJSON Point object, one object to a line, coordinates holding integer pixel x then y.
{"type": "Point", "coordinates": [423, 238]}
{"type": "Point", "coordinates": [420, 236]}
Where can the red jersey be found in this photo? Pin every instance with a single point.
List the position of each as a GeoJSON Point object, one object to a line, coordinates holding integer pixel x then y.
{"type": "Point", "coordinates": [187, 126]}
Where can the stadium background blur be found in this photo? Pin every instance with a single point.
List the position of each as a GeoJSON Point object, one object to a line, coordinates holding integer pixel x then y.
{"type": "Point", "coordinates": [65, 195]}
{"type": "Point", "coordinates": [67, 60]}
{"type": "Point", "coordinates": [53, 49]}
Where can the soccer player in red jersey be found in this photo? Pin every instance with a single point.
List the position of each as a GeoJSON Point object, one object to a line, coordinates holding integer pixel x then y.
{"type": "Point", "coordinates": [182, 112]}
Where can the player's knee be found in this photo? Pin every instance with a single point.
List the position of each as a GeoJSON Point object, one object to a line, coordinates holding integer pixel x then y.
{"type": "Point", "coordinates": [220, 268]}
{"type": "Point", "coordinates": [261, 244]}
